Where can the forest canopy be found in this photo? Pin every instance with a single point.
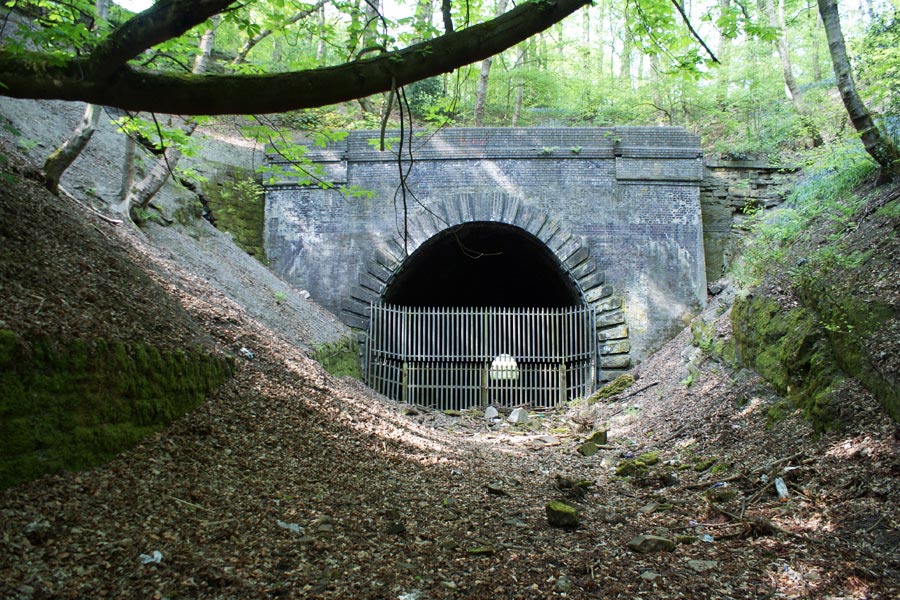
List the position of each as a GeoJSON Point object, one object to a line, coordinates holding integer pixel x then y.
{"type": "Point", "coordinates": [754, 79]}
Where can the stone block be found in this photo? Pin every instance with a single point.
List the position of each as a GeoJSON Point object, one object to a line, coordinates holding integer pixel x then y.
{"type": "Point", "coordinates": [614, 317]}
{"type": "Point", "coordinates": [611, 374]}
{"type": "Point", "coordinates": [611, 303]}
{"type": "Point", "coordinates": [615, 361]}
{"type": "Point", "coordinates": [617, 332]}
{"type": "Point", "coordinates": [578, 257]}
{"type": "Point", "coordinates": [615, 347]}
{"type": "Point", "coordinates": [585, 268]}
{"type": "Point", "coordinates": [591, 281]}
{"type": "Point", "coordinates": [598, 293]}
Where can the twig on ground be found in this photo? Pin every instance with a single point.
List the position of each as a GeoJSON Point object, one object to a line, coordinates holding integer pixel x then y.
{"type": "Point", "coordinates": [186, 503]}
{"type": "Point", "coordinates": [71, 197]}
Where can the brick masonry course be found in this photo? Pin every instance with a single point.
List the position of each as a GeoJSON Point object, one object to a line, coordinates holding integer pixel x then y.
{"type": "Point", "coordinates": [618, 207]}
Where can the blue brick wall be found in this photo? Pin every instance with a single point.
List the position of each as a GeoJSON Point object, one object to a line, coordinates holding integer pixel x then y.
{"type": "Point", "coordinates": [621, 204]}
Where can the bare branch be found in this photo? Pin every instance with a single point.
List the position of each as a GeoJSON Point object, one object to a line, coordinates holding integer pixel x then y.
{"type": "Point", "coordinates": [694, 33]}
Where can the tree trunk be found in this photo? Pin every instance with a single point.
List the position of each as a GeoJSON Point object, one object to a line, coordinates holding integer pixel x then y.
{"type": "Point", "coordinates": [795, 95]}
{"type": "Point", "coordinates": [320, 21]}
{"type": "Point", "coordinates": [61, 158]}
{"type": "Point", "coordinates": [484, 75]}
{"type": "Point", "coordinates": [448, 18]}
{"type": "Point", "coordinates": [127, 170]}
{"type": "Point", "coordinates": [207, 40]}
{"type": "Point", "coordinates": [877, 144]}
{"type": "Point", "coordinates": [520, 88]}
{"type": "Point", "coordinates": [141, 193]}
{"type": "Point", "coordinates": [625, 65]}
{"type": "Point", "coordinates": [423, 19]}
{"type": "Point", "coordinates": [816, 63]}
{"type": "Point", "coordinates": [135, 89]}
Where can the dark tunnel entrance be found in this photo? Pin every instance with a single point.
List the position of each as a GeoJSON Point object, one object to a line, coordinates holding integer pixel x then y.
{"type": "Point", "coordinates": [482, 314]}
{"type": "Point", "coordinates": [483, 264]}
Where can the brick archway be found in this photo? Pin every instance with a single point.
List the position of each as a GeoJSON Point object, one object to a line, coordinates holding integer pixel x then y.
{"type": "Point", "coordinates": [570, 250]}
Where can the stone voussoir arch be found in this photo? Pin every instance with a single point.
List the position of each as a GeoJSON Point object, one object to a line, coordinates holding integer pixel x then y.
{"type": "Point", "coordinates": [570, 250]}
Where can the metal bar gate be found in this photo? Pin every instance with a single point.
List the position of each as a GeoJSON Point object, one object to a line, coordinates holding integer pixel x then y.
{"type": "Point", "coordinates": [457, 358]}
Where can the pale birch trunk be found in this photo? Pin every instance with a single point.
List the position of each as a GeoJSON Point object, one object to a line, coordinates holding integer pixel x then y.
{"type": "Point", "coordinates": [795, 95]}
{"type": "Point", "coordinates": [484, 75]}
{"type": "Point", "coordinates": [141, 193]}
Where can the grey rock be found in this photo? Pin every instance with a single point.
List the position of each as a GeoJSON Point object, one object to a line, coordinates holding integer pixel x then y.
{"type": "Point", "coordinates": [588, 448]}
{"type": "Point", "coordinates": [496, 490]}
{"type": "Point", "coordinates": [395, 528]}
{"type": "Point", "coordinates": [491, 413]}
{"type": "Point", "coordinates": [560, 514]}
{"type": "Point", "coordinates": [599, 437]}
{"type": "Point", "coordinates": [564, 584]}
{"type": "Point", "coordinates": [651, 543]}
{"type": "Point", "coordinates": [518, 416]}
{"type": "Point", "coordinates": [702, 566]}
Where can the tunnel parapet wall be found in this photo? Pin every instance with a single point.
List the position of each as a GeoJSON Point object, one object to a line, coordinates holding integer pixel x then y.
{"type": "Point", "coordinates": [619, 208]}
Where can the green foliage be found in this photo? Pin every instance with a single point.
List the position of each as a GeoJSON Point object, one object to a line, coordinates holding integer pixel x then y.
{"type": "Point", "coordinates": [158, 136]}
{"type": "Point", "coordinates": [339, 358]}
{"type": "Point", "coordinates": [878, 62]}
{"type": "Point", "coordinates": [825, 197]}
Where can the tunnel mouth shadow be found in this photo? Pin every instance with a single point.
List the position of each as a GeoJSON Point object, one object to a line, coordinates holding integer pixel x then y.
{"type": "Point", "coordinates": [483, 264]}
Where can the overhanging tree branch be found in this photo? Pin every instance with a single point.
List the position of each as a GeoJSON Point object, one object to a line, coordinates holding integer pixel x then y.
{"type": "Point", "coordinates": [134, 89]}
{"type": "Point", "coordinates": [163, 21]}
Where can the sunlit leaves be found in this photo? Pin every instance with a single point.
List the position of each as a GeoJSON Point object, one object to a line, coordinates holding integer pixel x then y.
{"type": "Point", "coordinates": [64, 29]}
{"type": "Point", "coordinates": [878, 58]}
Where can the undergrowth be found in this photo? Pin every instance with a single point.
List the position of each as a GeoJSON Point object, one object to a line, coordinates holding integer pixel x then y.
{"type": "Point", "coordinates": [810, 325]}
{"type": "Point", "coordinates": [819, 212]}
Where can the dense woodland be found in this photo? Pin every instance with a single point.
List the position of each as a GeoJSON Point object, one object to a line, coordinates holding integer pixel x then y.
{"type": "Point", "coordinates": [755, 79]}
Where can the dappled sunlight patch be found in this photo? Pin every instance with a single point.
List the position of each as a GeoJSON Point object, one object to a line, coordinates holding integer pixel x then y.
{"type": "Point", "coordinates": [857, 447]}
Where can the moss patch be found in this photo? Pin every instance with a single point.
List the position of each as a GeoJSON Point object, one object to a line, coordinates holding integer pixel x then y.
{"type": "Point", "coordinates": [339, 358]}
{"type": "Point", "coordinates": [617, 386]}
{"type": "Point", "coordinates": [790, 349]}
{"type": "Point", "coordinates": [77, 404]}
{"type": "Point", "coordinates": [236, 204]}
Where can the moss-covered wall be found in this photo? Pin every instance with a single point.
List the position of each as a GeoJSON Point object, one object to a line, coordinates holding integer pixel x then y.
{"type": "Point", "coordinates": [807, 351]}
{"type": "Point", "coordinates": [77, 404]}
{"type": "Point", "coordinates": [790, 349]}
{"type": "Point", "coordinates": [236, 204]}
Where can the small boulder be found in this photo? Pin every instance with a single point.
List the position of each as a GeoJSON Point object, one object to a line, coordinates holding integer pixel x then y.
{"type": "Point", "coordinates": [702, 566]}
{"type": "Point", "coordinates": [495, 489]}
{"type": "Point", "coordinates": [630, 467]}
{"type": "Point", "coordinates": [588, 448]}
{"type": "Point", "coordinates": [491, 413]}
{"type": "Point", "coordinates": [599, 437]}
{"type": "Point", "coordinates": [651, 543]}
{"type": "Point", "coordinates": [560, 514]}
{"type": "Point", "coordinates": [518, 416]}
